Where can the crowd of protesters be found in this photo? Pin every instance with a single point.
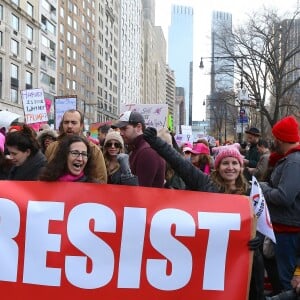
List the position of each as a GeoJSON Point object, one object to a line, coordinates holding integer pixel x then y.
{"type": "Point", "coordinates": [128, 153]}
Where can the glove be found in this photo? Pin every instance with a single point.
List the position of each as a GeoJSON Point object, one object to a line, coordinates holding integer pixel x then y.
{"type": "Point", "coordinates": [150, 135]}
{"type": "Point", "coordinates": [254, 243]}
{"type": "Point", "coordinates": [123, 160]}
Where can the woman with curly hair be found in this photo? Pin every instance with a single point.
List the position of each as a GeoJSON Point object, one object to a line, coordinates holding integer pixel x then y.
{"type": "Point", "coordinates": [71, 162]}
{"type": "Point", "coordinates": [25, 154]}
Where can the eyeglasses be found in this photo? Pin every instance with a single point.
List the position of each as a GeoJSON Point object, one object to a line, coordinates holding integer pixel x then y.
{"type": "Point", "coordinates": [116, 145]}
{"type": "Point", "coordinates": [76, 154]}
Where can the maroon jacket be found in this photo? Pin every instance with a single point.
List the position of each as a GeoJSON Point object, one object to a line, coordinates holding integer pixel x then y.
{"type": "Point", "coordinates": [146, 164]}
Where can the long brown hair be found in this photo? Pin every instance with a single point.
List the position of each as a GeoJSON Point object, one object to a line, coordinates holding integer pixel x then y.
{"type": "Point", "coordinates": [241, 183]}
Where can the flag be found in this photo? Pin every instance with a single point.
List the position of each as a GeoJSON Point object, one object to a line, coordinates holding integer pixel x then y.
{"type": "Point", "coordinates": [264, 224]}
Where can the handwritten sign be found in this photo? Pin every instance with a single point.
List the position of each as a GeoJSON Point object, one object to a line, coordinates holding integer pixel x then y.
{"type": "Point", "coordinates": [155, 115]}
{"type": "Point", "coordinates": [62, 104]}
{"type": "Point", "coordinates": [34, 106]}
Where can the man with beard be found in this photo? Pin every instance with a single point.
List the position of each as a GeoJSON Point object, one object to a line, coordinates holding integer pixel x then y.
{"type": "Point", "coordinates": [72, 124]}
{"type": "Point", "coordinates": [282, 194]}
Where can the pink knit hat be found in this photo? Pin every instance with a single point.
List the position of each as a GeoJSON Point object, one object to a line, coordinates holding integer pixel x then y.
{"type": "Point", "coordinates": [2, 142]}
{"type": "Point", "coordinates": [227, 151]}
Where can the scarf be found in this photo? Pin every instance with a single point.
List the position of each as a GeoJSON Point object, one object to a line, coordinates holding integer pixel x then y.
{"type": "Point", "coordinates": [70, 177]}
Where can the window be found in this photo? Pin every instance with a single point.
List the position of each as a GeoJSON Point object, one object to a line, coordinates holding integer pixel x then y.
{"type": "Point", "coordinates": [29, 9]}
{"type": "Point", "coordinates": [75, 26]}
{"type": "Point", "coordinates": [1, 77]}
{"type": "Point", "coordinates": [51, 27]}
{"type": "Point", "coordinates": [14, 47]}
{"type": "Point", "coordinates": [1, 38]}
{"type": "Point", "coordinates": [15, 22]}
{"type": "Point", "coordinates": [29, 32]}
{"type": "Point", "coordinates": [1, 12]}
{"type": "Point", "coordinates": [13, 94]}
{"type": "Point", "coordinates": [70, 21]}
{"type": "Point", "coordinates": [61, 28]}
{"type": "Point", "coordinates": [14, 71]}
{"type": "Point", "coordinates": [29, 55]}
{"type": "Point", "coordinates": [61, 45]}
{"type": "Point", "coordinates": [28, 78]}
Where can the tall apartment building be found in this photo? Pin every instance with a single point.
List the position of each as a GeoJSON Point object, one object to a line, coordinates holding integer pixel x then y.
{"type": "Point", "coordinates": [104, 52]}
{"type": "Point", "coordinates": [180, 108]}
{"type": "Point", "coordinates": [131, 52]}
{"type": "Point", "coordinates": [180, 52]}
{"type": "Point", "coordinates": [170, 96]}
{"type": "Point", "coordinates": [222, 68]}
{"type": "Point", "coordinates": [19, 51]}
{"type": "Point", "coordinates": [154, 57]}
{"type": "Point", "coordinates": [47, 50]}
{"type": "Point", "coordinates": [222, 75]}
{"type": "Point", "coordinates": [108, 15]}
{"type": "Point", "coordinates": [88, 56]}
{"type": "Point", "coordinates": [291, 42]}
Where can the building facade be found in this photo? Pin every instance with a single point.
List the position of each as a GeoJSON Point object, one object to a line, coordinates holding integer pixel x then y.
{"type": "Point", "coordinates": [180, 52]}
{"type": "Point", "coordinates": [19, 51]}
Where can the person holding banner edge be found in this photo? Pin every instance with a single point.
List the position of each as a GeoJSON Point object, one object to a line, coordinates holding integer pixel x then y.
{"type": "Point", "coordinates": [282, 194]}
{"type": "Point", "coordinates": [227, 177]}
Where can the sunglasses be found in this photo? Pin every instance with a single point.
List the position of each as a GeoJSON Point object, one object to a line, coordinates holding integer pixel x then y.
{"type": "Point", "coordinates": [116, 145]}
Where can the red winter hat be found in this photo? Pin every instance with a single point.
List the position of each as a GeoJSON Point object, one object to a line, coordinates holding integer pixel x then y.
{"type": "Point", "coordinates": [287, 130]}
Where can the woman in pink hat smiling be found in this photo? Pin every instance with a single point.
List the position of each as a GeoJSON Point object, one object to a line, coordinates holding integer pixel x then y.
{"type": "Point", "coordinates": [227, 177]}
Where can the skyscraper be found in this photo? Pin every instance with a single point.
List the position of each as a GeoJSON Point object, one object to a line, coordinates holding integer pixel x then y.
{"type": "Point", "coordinates": [222, 75]}
{"type": "Point", "coordinates": [180, 53]}
{"type": "Point", "coordinates": [222, 67]}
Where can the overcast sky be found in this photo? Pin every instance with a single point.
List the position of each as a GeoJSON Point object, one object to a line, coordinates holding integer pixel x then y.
{"type": "Point", "coordinates": [202, 21]}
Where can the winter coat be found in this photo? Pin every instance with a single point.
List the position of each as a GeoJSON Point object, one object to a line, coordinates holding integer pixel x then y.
{"type": "Point", "coordinates": [282, 193]}
{"type": "Point", "coordinates": [30, 169]}
{"type": "Point", "coordinates": [146, 164]}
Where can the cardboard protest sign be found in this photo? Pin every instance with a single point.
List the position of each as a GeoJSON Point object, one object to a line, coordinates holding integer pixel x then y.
{"type": "Point", "coordinates": [34, 106]}
{"type": "Point", "coordinates": [62, 104]}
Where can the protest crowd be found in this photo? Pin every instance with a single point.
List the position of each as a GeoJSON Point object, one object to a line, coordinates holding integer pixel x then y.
{"type": "Point", "coordinates": [127, 152]}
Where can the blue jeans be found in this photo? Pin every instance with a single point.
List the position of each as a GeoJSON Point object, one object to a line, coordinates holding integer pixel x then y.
{"type": "Point", "coordinates": [286, 248]}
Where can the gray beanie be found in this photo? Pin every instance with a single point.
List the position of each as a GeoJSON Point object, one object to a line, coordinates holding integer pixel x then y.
{"type": "Point", "coordinates": [114, 135]}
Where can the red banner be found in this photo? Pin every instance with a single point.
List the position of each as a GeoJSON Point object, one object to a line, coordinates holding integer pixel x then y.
{"type": "Point", "coordinates": [90, 241]}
